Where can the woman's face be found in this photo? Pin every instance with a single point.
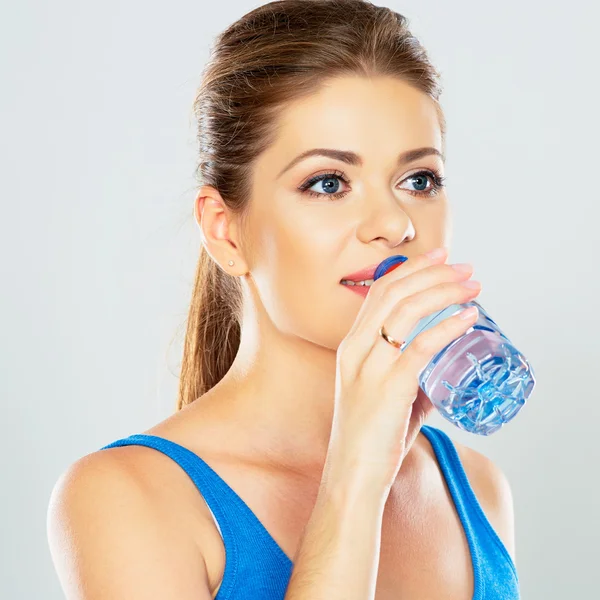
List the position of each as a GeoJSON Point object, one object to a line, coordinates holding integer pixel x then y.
{"type": "Point", "coordinates": [304, 242]}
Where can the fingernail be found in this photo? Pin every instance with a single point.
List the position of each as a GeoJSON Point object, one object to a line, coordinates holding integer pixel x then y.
{"type": "Point", "coordinates": [436, 253]}
{"type": "Point", "coordinates": [471, 284]}
{"type": "Point", "coordinates": [462, 267]}
{"type": "Point", "coordinates": [467, 313]}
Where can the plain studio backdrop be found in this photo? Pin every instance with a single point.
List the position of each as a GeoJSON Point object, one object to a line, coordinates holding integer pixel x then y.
{"type": "Point", "coordinates": [99, 245]}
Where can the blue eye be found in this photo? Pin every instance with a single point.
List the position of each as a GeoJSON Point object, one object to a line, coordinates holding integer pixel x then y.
{"type": "Point", "coordinates": [330, 184]}
{"type": "Point", "coordinates": [421, 177]}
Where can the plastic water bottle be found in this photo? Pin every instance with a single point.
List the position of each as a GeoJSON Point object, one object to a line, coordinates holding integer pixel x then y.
{"type": "Point", "coordinates": [479, 381]}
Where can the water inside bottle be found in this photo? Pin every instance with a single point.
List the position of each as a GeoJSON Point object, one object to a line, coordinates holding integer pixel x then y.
{"type": "Point", "coordinates": [480, 381]}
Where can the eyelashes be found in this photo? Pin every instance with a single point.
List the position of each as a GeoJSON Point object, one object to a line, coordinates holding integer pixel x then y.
{"type": "Point", "coordinates": [434, 175]}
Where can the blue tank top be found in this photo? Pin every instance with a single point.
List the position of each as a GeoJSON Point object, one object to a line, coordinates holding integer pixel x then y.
{"type": "Point", "coordinates": [257, 567]}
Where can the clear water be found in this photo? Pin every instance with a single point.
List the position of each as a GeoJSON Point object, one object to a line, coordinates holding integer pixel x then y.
{"type": "Point", "coordinates": [478, 382]}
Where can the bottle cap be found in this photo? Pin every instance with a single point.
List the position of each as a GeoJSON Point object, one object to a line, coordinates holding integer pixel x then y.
{"type": "Point", "coordinates": [389, 264]}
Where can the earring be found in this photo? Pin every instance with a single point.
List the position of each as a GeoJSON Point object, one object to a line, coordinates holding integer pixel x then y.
{"type": "Point", "coordinates": [230, 263]}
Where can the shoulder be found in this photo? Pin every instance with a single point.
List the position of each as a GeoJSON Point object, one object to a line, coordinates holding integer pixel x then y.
{"type": "Point", "coordinates": [493, 491]}
{"type": "Point", "coordinates": [100, 514]}
{"type": "Point", "coordinates": [135, 475]}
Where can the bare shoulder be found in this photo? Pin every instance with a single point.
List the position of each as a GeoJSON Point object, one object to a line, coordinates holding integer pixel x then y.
{"type": "Point", "coordinates": [107, 534]}
{"type": "Point", "coordinates": [493, 491]}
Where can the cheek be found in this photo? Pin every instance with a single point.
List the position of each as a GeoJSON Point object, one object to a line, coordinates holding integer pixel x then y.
{"type": "Point", "coordinates": [432, 224]}
{"type": "Point", "coordinates": [301, 242]}
{"type": "Point", "coordinates": [297, 272]}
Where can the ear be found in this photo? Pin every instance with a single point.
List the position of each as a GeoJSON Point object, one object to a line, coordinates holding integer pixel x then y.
{"type": "Point", "coordinates": [220, 230]}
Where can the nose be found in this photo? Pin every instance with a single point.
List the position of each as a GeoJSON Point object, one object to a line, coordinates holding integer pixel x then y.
{"type": "Point", "coordinates": [385, 220]}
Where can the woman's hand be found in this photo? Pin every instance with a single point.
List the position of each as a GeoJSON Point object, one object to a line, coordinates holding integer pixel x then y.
{"type": "Point", "coordinates": [379, 407]}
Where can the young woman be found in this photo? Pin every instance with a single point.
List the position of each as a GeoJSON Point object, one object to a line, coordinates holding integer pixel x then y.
{"type": "Point", "coordinates": [298, 464]}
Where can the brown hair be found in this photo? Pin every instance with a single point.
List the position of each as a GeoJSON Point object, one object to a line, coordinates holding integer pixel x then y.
{"type": "Point", "coordinates": [276, 53]}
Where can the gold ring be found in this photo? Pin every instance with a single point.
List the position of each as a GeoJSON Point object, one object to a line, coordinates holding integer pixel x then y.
{"type": "Point", "coordinates": [390, 340]}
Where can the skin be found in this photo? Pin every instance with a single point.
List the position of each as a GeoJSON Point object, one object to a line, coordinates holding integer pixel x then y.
{"type": "Point", "coordinates": [281, 384]}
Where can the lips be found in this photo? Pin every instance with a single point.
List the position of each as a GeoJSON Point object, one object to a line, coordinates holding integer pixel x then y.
{"type": "Point", "coordinates": [364, 274]}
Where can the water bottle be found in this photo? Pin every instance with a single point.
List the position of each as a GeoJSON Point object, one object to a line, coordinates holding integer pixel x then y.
{"type": "Point", "coordinates": [479, 381]}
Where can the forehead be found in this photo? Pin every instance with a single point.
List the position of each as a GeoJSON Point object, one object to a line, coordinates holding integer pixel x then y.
{"type": "Point", "coordinates": [375, 117]}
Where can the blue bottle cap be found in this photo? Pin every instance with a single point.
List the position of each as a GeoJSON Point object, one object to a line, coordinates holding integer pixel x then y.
{"type": "Point", "coordinates": [389, 264]}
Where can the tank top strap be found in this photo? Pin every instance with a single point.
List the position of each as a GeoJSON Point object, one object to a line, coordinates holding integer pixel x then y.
{"type": "Point", "coordinates": [492, 564]}
{"type": "Point", "coordinates": [253, 557]}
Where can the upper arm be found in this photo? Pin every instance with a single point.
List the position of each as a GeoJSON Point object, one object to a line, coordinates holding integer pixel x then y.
{"type": "Point", "coordinates": [493, 491]}
{"type": "Point", "coordinates": [109, 540]}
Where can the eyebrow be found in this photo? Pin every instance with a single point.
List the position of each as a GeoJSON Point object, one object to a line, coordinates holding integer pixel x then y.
{"type": "Point", "coordinates": [354, 159]}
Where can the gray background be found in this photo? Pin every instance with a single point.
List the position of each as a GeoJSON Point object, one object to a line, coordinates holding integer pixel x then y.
{"type": "Point", "coordinates": [99, 244]}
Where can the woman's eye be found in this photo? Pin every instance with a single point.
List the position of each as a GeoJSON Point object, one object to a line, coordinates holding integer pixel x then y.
{"type": "Point", "coordinates": [326, 184]}
{"type": "Point", "coordinates": [419, 180]}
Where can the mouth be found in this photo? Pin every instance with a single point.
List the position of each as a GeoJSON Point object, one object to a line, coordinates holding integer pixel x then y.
{"type": "Point", "coordinates": [365, 275]}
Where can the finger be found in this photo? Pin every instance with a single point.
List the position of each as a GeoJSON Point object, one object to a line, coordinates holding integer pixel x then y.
{"type": "Point", "coordinates": [401, 271]}
{"type": "Point", "coordinates": [403, 318]}
{"type": "Point", "coordinates": [422, 349]}
{"type": "Point", "coordinates": [397, 290]}
{"type": "Point", "coordinates": [357, 343]}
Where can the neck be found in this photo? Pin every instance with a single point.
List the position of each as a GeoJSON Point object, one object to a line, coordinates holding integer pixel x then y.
{"type": "Point", "coordinates": [278, 395]}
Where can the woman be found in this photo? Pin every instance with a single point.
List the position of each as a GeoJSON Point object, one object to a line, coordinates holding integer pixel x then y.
{"type": "Point", "coordinates": [298, 464]}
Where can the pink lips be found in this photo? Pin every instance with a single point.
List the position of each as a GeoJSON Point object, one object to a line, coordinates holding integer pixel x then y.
{"type": "Point", "coordinates": [361, 290]}
{"type": "Point", "coordinates": [364, 274]}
